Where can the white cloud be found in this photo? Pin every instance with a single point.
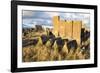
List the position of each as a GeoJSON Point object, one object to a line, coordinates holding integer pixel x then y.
{"type": "Point", "coordinates": [51, 14]}
{"type": "Point", "coordinates": [28, 13]}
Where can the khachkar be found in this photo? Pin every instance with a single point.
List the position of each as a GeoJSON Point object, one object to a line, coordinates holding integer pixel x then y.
{"type": "Point", "coordinates": [70, 29]}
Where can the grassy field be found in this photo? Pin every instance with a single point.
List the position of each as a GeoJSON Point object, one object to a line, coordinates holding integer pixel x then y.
{"type": "Point", "coordinates": [46, 52]}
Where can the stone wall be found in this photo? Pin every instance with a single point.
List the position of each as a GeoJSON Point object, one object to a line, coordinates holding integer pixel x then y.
{"type": "Point", "coordinates": [70, 29]}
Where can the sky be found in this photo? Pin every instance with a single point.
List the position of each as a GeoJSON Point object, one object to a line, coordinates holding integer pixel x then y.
{"type": "Point", "coordinates": [44, 18]}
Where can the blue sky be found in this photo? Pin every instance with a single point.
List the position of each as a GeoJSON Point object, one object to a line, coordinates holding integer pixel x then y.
{"type": "Point", "coordinates": [31, 18]}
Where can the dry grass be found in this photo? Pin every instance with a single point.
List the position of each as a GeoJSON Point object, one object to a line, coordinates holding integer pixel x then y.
{"type": "Point", "coordinates": [42, 52]}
